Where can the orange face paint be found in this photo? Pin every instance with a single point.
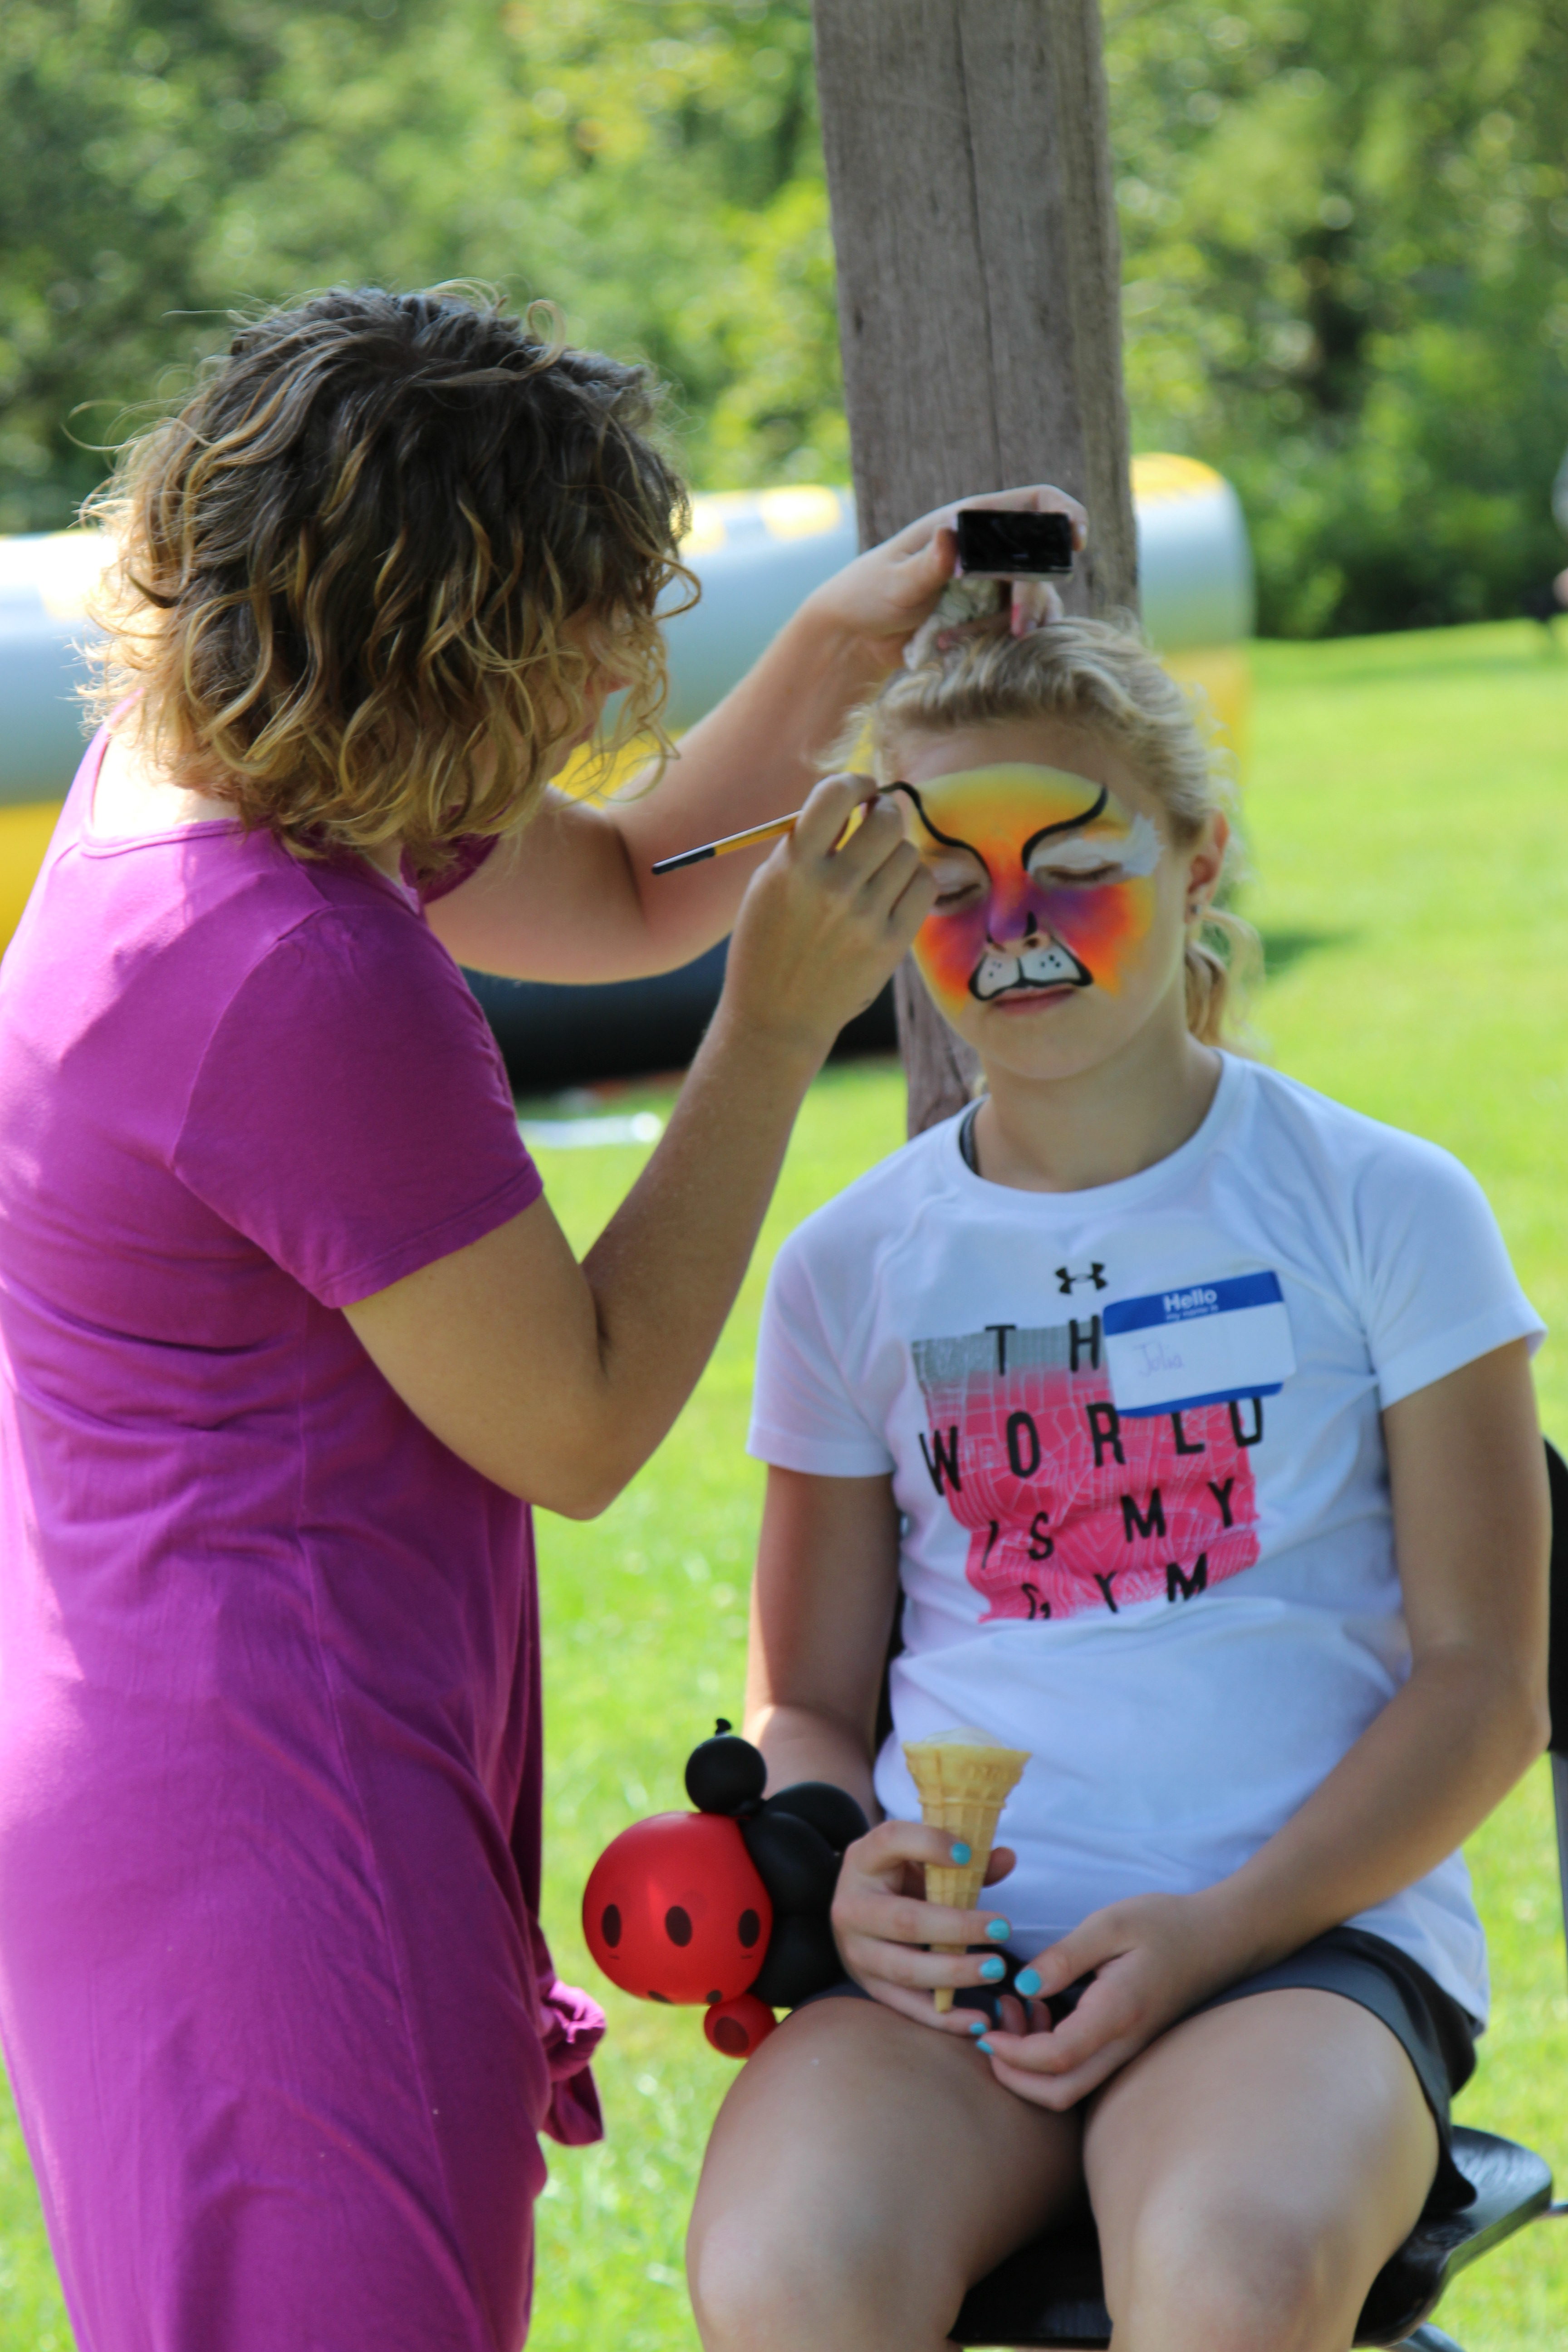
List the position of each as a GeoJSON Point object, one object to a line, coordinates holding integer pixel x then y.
{"type": "Point", "coordinates": [1047, 882]}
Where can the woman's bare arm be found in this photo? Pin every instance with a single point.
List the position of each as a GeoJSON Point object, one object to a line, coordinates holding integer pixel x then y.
{"type": "Point", "coordinates": [557, 1379]}
{"type": "Point", "coordinates": [577, 901]}
{"type": "Point", "coordinates": [574, 898]}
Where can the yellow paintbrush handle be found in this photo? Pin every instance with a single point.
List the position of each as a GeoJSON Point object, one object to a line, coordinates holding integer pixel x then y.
{"type": "Point", "coordinates": [775, 829]}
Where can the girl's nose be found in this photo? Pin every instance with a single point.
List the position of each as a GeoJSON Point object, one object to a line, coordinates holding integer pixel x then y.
{"type": "Point", "coordinates": [1015, 911]}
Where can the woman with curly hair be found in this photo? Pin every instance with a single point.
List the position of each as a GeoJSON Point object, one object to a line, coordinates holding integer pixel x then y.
{"type": "Point", "coordinates": [290, 1340]}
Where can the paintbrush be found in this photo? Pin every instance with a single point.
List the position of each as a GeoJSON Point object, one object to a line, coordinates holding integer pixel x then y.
{"type": "Point", "coordinates": [775, 829]}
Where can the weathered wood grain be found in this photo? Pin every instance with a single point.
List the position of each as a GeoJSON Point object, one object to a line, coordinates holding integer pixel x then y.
{"type": "Point", "coordinates": [979, 300]}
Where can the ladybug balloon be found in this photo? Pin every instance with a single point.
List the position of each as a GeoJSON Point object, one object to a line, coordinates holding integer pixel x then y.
{"type": "Point", "coordinates": [675, 1910]}
{"type": "Point", "coordinates": [726, 1907]}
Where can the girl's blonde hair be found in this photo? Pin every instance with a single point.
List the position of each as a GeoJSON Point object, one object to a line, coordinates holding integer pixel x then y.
{"type": "Point", "coordinates": [1101, 677]}
{"type": "Point", "coordinates": [367, 574]}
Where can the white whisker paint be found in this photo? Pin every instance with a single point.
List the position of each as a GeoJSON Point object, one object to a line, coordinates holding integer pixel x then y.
{"type": "Point", "coordinates": [1137, 852]}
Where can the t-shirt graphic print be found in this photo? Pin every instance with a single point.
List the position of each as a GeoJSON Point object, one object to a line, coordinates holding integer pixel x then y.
{"type": "Point", "coordinates": [1069, 1504]}
{"type": "Point", "coordinates": [1133, 1438]}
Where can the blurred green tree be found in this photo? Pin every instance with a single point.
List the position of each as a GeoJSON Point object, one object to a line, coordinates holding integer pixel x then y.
{"type": "Point", "coordinates": [650, 164]}
{"type": "Point", "coordinates": [1345, 224]}
{"type": "Point", "coordinates": [1346, 283]}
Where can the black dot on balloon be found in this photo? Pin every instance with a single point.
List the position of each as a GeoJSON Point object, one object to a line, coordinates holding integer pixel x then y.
{"type": "Point", "coordinates": [610, 1925]}
{"type": "Point", "coordinates": [712, 2000]}
{"type": "Point", "coordinates": [678, 1925]}
{"type": "Point", "coordinates": [730, 2037]}
{"type": "Point", "coordinates": [751, 1929]}
{"type": "Point", "coordinates": [660, 1996]}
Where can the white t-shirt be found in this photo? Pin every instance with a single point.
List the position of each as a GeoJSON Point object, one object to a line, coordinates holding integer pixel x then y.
{"type": "Point", "coordinates": [1134, 1439]}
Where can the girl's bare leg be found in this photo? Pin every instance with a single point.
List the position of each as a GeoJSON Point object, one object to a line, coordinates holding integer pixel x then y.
{"type": "Point", "coordinates": [1251, 2172]}
{"type": "Point", "coordinates": [863, 2172]}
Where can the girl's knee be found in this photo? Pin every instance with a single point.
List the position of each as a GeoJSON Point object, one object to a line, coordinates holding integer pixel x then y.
{"type": "Point", "coordinates": [739, 2289]}
{"type": "Point", "coordinates": [1253, 2276]}
{"type": "Point", "coordinates": [791, 2284]}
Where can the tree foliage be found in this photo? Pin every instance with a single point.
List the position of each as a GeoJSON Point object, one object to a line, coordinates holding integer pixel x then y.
{"type": "Point", "coordinates": [1345, 225]}
{"type": "Point", "coordinates": [1346, 282]}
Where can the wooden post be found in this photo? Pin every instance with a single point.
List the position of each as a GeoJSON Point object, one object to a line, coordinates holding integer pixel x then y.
{"type": "Point", "coordinates": [979, 300]}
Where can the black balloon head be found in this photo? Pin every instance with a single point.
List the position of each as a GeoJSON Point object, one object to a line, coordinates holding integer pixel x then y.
{"type": "Point", "coordinates": [796, 1841]}
{"type": "Point", "coordinates": [725, 1774]}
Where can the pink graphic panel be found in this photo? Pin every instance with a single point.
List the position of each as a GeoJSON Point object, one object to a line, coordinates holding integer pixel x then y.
{"type": "Point", "coordinates": [1071, 1505]}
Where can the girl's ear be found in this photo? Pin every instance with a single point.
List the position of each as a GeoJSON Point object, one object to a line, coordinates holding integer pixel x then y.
{"type": "Point", "coordinates": [1205, 864]}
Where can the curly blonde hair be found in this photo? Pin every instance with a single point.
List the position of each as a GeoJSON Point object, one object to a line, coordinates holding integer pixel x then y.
{"type": "Point", "coordinates": [1102, 678]}
{"type": "Point", "coordinates": [366, 576]}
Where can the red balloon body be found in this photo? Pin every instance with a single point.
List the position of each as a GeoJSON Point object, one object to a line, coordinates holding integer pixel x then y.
{"type": "Point", "coordinates": [737, 2027]}
{"type": "Point", "coordinates": [675, 1910]}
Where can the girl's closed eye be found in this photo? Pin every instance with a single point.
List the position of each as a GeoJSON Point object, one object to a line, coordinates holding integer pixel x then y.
{"type": "Point", "coordinates": [1085, 863]}
{"type": "Point", "coordinates": [958, 877]}
{"type": "Point", "coordinates": [1057, 876]}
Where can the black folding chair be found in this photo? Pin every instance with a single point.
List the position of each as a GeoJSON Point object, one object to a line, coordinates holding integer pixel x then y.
{"type": "Point", "coordinates": [1049, 2294]}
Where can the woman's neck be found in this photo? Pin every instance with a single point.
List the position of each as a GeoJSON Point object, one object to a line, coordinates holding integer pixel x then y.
{"type": "Point", "coordinates": [133, 799]}
{"type": "Point", "coordinates": [1069, 1134]}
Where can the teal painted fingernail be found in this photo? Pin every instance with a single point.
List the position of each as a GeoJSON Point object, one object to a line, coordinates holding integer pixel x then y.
{"type": "Point", "coordinates": [960, 1852]}
{"type": "Point", "coordinates": [984, 2045]}
{"type": "Point", "coordinates": [977, 2025]}
{"type": "Point", "coordinates": [1026, 1982]}
{"type": "Point", "coordinates": [993, 1967]}
{"type": "Point", "coordinates": [998, 1931]}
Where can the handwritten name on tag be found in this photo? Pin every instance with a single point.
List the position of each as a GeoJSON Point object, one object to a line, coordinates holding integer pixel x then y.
{"type": "Point", "coordinates": [1206, 1343]}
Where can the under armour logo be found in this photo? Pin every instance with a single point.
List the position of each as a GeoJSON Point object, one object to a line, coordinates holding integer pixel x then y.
{"type": "Point", "coordinates": [1065, 1280]}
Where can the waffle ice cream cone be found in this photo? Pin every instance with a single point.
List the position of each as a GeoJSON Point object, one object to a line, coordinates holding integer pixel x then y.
{"type": "Point", "coordinates": [964, 1780]}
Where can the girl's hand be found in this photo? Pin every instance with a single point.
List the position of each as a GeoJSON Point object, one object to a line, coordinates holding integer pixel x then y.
{"type": "Point", "coordinates": [1153, 1957]}
{"type": "Point", "coordinates": [880, 1920]}
{"type": "Point", "coordinates": [885, 594]}
{"type": "Point", "coordinates": [827, 918]}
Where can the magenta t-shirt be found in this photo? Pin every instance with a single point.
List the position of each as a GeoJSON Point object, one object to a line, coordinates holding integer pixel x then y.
{"type": "Point", "coordinates": [277, 2014]}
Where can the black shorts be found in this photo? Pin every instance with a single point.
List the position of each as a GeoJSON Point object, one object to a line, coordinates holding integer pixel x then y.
{"type": "Point", "coordinates": [1434, 2032]}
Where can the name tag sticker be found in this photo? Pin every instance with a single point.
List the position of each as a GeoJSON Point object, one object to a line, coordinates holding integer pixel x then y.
{"type": "Point", "coordinates": [1209, 1343]}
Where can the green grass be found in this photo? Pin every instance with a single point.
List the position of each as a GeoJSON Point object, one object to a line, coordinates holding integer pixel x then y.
{"type": "Point", "coordinates": [1407, 815]}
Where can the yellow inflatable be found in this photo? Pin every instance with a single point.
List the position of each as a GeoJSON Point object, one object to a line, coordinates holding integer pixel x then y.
{"type": "Point", "coordinates": [757, 555]}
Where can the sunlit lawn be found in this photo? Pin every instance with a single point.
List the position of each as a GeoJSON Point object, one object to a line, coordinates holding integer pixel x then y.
{"type": "Point", "coordinates": [1407, 811]}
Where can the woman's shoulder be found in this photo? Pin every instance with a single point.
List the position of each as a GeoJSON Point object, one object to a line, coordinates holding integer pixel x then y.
{"type": "Point", "coordinates": [239, 953]}
{"type": "Point", "coordinates": [250, 919]}
{"type": "Point", "coordinates": [136, 948]}
{"type": "Point", "coordinates": [351, 1088]}
{"type": "Point", "coordinates": [344, 957]}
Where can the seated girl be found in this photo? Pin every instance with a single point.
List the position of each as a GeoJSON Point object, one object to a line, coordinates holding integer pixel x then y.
{"type": "Point", "coordinates": [1187, 1416]}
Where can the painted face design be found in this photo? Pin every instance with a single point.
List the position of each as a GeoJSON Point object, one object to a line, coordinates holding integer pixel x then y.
{"type": "Point", "coordinates": [1046, 882]}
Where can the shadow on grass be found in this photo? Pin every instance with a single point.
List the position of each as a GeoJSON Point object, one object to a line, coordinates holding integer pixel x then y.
{"type": "Point", "coordinates": [1282, 949]}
